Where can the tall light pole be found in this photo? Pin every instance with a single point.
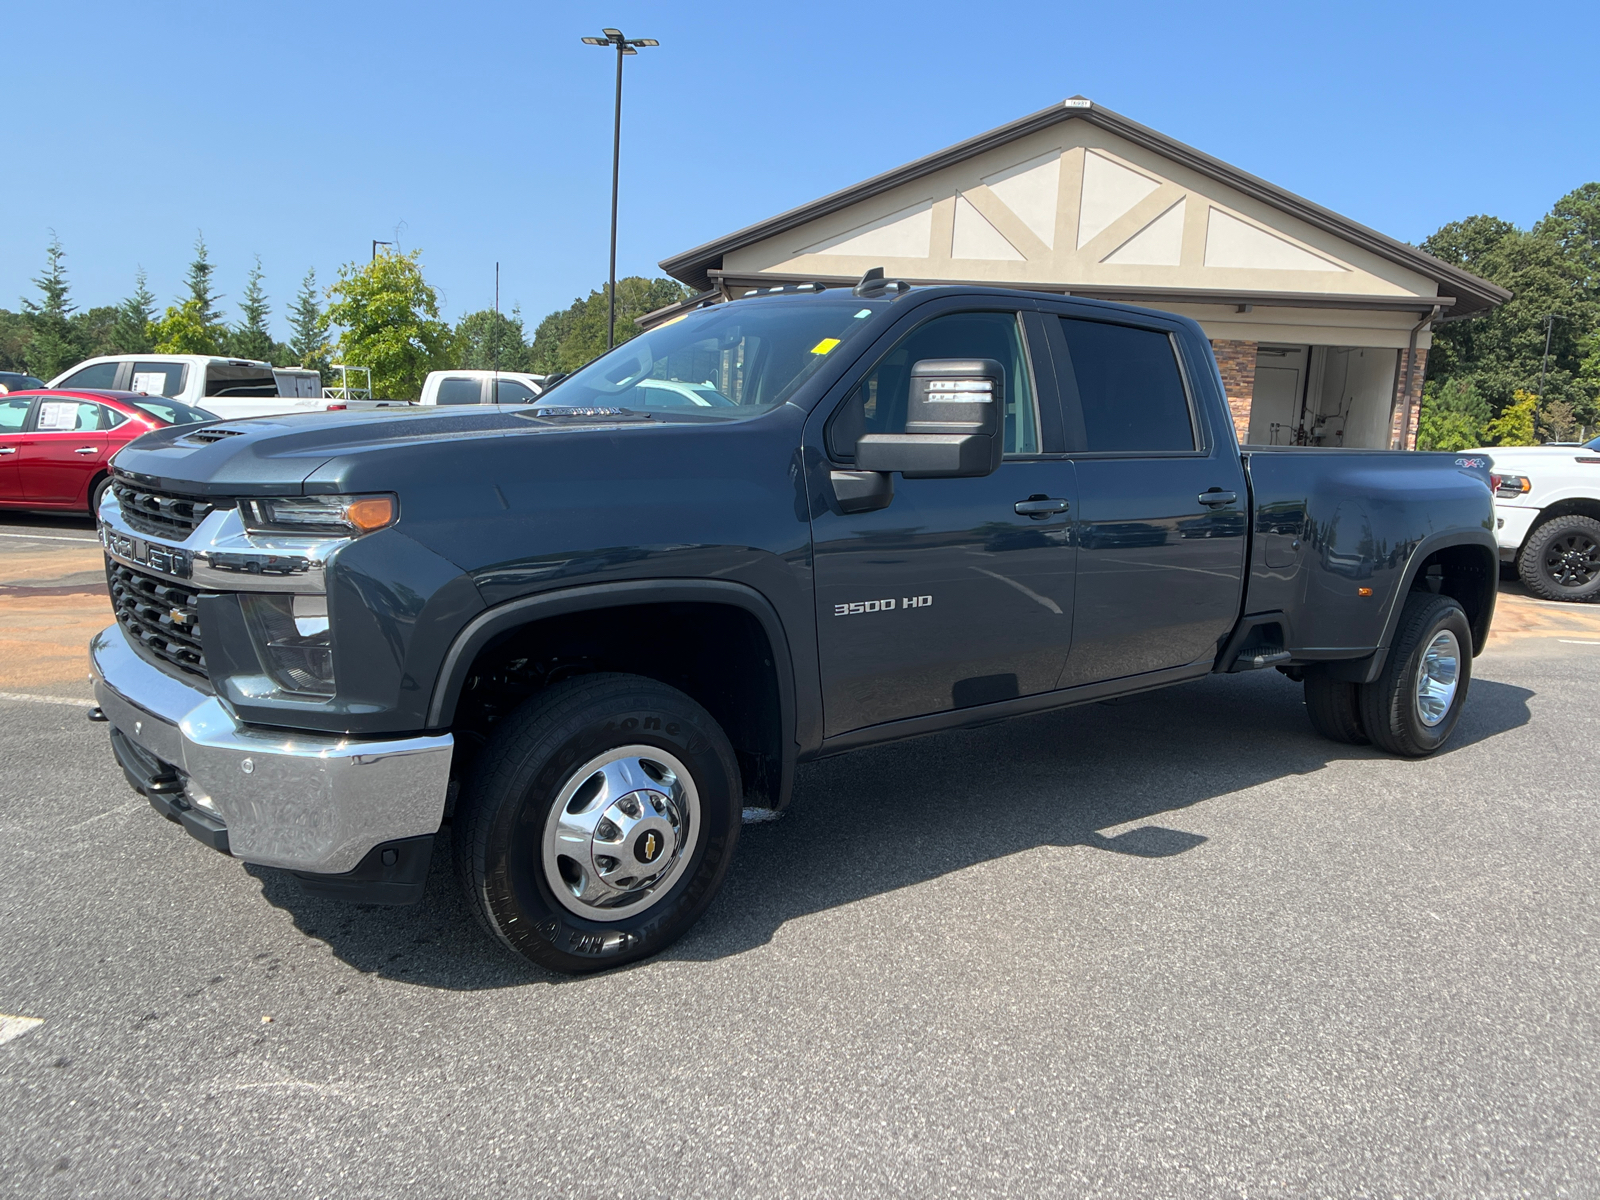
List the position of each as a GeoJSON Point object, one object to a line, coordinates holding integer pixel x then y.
{"type": "Point", "coordinates": [625, 46]}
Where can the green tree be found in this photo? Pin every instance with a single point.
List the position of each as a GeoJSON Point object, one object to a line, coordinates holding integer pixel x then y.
{"type": "Point", "coordinates": [1514, 426]}
{"type": "Point", "coordinates": [388, 317]}
{"type": "Point", "coordinates": [1453, 417]}
{"type": "Point", "coordinates": [52, 348]}
{"type": "Point", "coordinates": [1553, 273]}
{"type": "Point", "coordinates": [184, 330]}
{"type": "Point", "coordinates": [486, 340]}
{"type": "Point", "coordinates": [15, 332]}
{"type": "Point", "coordinates": [199, 281]}
{"type": "Point", "coordinates": [251, 338]}
{"type": "Point", "coordinates": [94, 331]}
{"type": "Point", "coordinates": [308, 341]}
{"type": "Point", "coordinates": [131, 334]}
{"type": "Point", "coordinates": [567, 339]}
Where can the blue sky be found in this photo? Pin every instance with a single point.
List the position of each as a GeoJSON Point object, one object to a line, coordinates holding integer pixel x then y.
{"type": "Point", "coordinates": [482, 131]}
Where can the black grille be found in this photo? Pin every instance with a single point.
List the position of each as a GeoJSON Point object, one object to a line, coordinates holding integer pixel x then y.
{"type": "Point", "coordinates": [159, 515]}
{"type": "Point", "coordinates": [158, 615]}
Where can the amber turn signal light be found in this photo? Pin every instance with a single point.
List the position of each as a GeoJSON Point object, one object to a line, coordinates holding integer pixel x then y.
{"type": "Point", "coordinates": [1363, 591]}
{"type": "Point", "coordinates": [371, 512]}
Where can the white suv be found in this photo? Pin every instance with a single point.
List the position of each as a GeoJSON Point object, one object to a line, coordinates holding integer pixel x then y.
{"type": "Point", "coordinates": [1547, 516]}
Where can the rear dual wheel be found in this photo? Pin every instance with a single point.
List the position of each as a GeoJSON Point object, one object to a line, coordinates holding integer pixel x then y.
{"type": "Point", "coordinates": [1413, 706]}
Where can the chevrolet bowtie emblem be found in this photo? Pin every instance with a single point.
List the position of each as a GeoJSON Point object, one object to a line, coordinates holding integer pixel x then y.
{"type": "Point", "coordinates": [178, 616]}
{"type": "Point", "coordinates": [649, 845]}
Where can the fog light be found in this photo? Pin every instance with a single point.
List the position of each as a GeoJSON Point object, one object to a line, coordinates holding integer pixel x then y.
{"type": "Point", "coordinates": [293, 640]}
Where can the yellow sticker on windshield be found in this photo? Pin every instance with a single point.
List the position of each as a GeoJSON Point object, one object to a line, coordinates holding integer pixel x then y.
{"type": "Point", "coordinates": [825, 345]}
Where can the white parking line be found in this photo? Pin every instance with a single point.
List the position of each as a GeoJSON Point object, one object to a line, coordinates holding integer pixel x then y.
{"type": "Point", "coordinates": [15, 1027]}
{"type": "Point", "coordinates": [52, 537]}
{"type": "Point", "coordinates": [1576, 642]}
{"type": "Point", "coordinates": [25, 698]}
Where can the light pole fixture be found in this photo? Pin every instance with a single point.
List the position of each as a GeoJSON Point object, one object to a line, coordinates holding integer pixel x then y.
{"type": "Point", "coordinates": [375, 244]}
{"type": "Point", "coordinates": [625, 46]}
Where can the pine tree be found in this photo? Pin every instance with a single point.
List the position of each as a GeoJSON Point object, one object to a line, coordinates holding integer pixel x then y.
{"type": "Point", "coordinates": [131, 333]}
{"type": "Point", "coordinates": [51, 348]}
{"type": "Point", "coordinates": [252, 339]}
{"type": "Point", "coordinates": [199, 281]}
{"type": "Point", "coordinates": [309, 340]}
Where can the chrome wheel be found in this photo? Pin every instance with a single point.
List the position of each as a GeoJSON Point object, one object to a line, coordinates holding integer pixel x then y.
{"type": "Point", "coordinates": [1438, 676]}
{"type": "Point", "coordinates": [621, 832]}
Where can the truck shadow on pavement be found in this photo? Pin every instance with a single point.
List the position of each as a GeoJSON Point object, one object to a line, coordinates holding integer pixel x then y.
{"type": "Point", "coordinates": [890, 817]}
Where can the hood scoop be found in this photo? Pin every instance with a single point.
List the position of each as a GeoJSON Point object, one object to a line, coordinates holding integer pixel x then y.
{"type": "Point", "coordinates": [211, 433]}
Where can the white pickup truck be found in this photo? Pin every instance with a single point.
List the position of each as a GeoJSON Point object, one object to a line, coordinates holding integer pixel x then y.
{"type": "Point", "coordinates": [230, 387]}
{"type": "Point", "coordinates": [481, 387]}
{"type": "Point", "coordinates": [1547, 516]}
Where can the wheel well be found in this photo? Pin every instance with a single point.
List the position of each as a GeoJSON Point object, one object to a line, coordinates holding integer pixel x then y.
{"type": "Point", "coordinates": [1468, 574]}
{"type": "Point", "coordinates": [1577, 506]}
{"type": "Point", "coordinates": [718, 654]}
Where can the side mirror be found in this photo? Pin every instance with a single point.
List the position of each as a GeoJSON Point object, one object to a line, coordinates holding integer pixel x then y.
{"type": "Point", "coordinates": [955, 423]}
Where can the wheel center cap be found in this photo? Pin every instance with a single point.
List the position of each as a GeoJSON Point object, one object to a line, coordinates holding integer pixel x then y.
{"type": "Point", "coordinates": [648, 847]}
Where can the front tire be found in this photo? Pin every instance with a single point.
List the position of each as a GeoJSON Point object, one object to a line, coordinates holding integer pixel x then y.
{"type": "Point", "coordinates": [1414, 704]}
{"type": "Point", "coordinates": [599, 823]}
{"type": "Point", "coordinates": [96, 493]}
{"type": "Point", "coordinates": [1561, 560]}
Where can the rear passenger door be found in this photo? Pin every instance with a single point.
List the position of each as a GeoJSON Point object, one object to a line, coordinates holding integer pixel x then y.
{"type": "Point", "coordinates": [1161, 500]}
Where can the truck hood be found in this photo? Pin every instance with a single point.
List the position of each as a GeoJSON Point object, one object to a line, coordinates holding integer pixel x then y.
{"type": "Point", "coordinates": [276, 455]}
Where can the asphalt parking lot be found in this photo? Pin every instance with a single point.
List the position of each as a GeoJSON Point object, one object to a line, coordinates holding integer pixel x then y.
{"type": "Point", "coordinates": [1171, 946]}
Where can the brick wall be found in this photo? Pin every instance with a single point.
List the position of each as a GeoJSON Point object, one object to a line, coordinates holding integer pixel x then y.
{"type": "Point", "coordinates": [1237, 362]}
{"type": "Point", "coordinates": [1399, 414]}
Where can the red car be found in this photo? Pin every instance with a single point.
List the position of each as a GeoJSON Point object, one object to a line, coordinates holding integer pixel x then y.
{"type": "Point", "coordinates": [56, 444]}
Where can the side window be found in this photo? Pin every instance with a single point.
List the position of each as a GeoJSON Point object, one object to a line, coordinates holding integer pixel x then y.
{"type": "Point", "coordinates": [878, 402]}
{"type": "Point", "coordinates": [110, 418]}
{"type": "Point", "coordinates": [158, 379]}
{"type": "Point", "coordinates": [509, 391]}
{"type": "Point", "coordinates": [101, 375]}
{"type": "Point", "coordinates": [1127, 384]}
{"type": "Point", "coordinates": [13, 412]}
{"type": "Point", "coordinates": [459, 391]}
{"type": "Point", "coordinates": [66, 416]}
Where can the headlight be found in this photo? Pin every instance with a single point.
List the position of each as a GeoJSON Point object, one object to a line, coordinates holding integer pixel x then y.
{"type": "Point", "coordinates": [1508, 487]}
{"type": "Point", "coordinates": [337, 515]}
{"type": "Point", "coordinates": [292, 640]}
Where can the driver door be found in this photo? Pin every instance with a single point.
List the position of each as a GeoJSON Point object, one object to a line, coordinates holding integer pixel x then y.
{"type": "Point", "coordinates": [948, 597]}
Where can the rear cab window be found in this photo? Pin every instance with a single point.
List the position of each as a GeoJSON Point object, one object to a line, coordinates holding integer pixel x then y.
{"type": "Point", "coordinates": [459, 391]}
{"type": "Point", "coordinates": [511, 391]}
{"type": "Point", "coordinates": [238, 380]}
{"type": "Point", "coordinates": [158, 378]}
{"type": "Point", "coordinates": [1122, 391]}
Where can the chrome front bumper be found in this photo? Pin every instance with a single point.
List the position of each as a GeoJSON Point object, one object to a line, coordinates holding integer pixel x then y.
{"type": "Point", "coordinates": [308, 802]}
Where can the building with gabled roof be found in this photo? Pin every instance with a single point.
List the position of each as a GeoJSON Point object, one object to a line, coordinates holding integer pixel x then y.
{"type": "Point", "coordinates": [1320, 325]}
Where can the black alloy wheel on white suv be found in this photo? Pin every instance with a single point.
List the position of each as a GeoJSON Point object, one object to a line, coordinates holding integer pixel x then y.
{"type": "Point", "coordinates": [1561, 559]}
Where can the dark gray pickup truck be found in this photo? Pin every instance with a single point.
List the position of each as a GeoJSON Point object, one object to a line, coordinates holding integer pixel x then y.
{"type": "Point", "coordinates": [587, 633]}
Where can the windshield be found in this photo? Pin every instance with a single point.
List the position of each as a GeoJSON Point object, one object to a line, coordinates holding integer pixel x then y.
{"type": "Point", "coordinates": [174, 413]}
{"type": "Point", "coordinates": [728, 361]}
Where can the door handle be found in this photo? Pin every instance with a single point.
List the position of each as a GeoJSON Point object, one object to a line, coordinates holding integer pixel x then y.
{"type": "Point", "coordinates": [1040, 508]}
{"type": "Point", "coordinates": [1217, 498]}
{"type": "Point", "coordinates": [87, 450]}
{"type": "Point", "coordinates": [8, 449]}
